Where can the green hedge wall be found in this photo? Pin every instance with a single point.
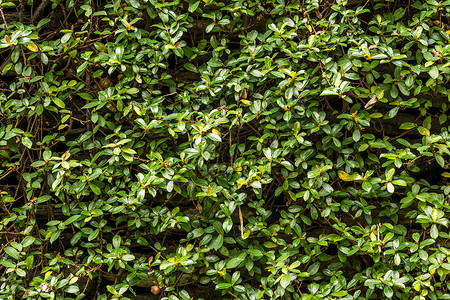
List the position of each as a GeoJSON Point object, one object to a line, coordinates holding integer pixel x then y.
{"type": "Point", "coordinates": [225, 149]}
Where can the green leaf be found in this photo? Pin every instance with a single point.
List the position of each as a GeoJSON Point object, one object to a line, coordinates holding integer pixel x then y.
{"type": "Point", "coordinates": [314, 268]}
{"type": "Point", "coordinates": [133, 91]}
{"type": "Point", "coordinates": [43, 199]}
{"type": "Point", "coordinates": [58, 102]}
{"type": "Point", "coordinates": [134, 3]}
{"type": "Point", "coordinates": [227, 224]}
{"type": "Point", "coordinates": [44, 58]}
{"type": "Point", "coordinates": [423, 131]}
{"type": "Point", "coordinates": [392, 113]}
{"type": "Point", "coordinates": [223, 286]}
{"type": "Point", "coordinates": [27, 241]}
{"type": "Point", "coordinates": [38, 164]}
{"type": "Point", "coordinates": [214, 136]}
{"type": "Point", "coordinates": [215, 63]}
{"type": "Point", "coordinates": [116, 241]}
{"type": "Point", "coordinates": [254, 252]}
{"type": "Point", "coordinates": [339, 294]}
{"type": "Point", "coordinates": [27, 142]}
{"type": "Point", "coordinates": [128, 257]}
{"type": "Point", "coordinates": [86, 96]}
{"type": "Point", "coordinates": [95, 188]}
{"type": "Point", "coordinates": [257, 73]}
{"type": "Point", "coordinates": [407, 125]}
{"type": "Point", "coordinates": [190, 67]}
{"type": "Point", "coordinates": [329, 93]}
{"type": "Point", "coordinates": [356, 135]}
{"type": "Point", "coordinates": [129, 151]}
{"type": "Point", "coordinates": [390, 187]}
{"type": "Point", "coordinates": [234, 262]}
{"type": "Point", "coordinates": [371, 282]}
{"type": "Point", "coordinates": [388, 292]}
{"type": "Point", "coordinates": [399, 13]}
{"type": "Point", "coordinates": [399, 182]}
{"type": "Point", "coordinates": [287, 165]}
{"type": "Point", "coordinates": [285, 280]}
{"type": "Point", "coordinates": [169, 186]}
{"type": "Point", "coordinates": [54, 236]}
{"type": "Point", "coordinates": [434, 72]}
{"type": "Point", "coordinates": [440, 160]}
{"type": "Point", "coordinates": [217, 242]}
{"type": "Point", "coordinates": [72, 289]}
{"type": "Point", "coordinates": [81, 68]}
{"type": "Point", "coordinates": [72, 219]}
{"type": "Point", "coordinates": [12, 252]}
{"type": "Point", "coordinates": [21, 272]}
{"type": "Point", "coordinates": [93, 235]}
{"type": "Point", "coordinates": [193, 7]}
{"type": "Point", "coordinates": [434, 232]}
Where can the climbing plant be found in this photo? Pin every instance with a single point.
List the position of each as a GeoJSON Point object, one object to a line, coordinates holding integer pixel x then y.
{"type": "Point", "coordinates": [232, 149]}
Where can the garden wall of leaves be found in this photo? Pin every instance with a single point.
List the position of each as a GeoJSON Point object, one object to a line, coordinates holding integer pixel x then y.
{"type": "Point", "coordinates": [226, 149]}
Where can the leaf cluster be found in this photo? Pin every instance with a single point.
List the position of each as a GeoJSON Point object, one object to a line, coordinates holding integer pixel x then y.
{"type": "Point", "coordinates": [256, 149]}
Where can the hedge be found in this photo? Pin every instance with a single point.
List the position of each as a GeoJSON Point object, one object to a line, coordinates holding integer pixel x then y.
{"type": "Point", "coordinates": [225, 149]}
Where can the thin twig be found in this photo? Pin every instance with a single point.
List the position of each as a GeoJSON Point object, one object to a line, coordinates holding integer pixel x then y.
{"type": "Point", "coordinates": [241, 219]}
{"type": "Point", "coordinates": [4, 19]}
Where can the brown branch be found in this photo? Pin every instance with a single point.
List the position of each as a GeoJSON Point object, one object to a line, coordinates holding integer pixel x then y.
{"type": "Point", "coordinates": [4, 19]}
{"type": "Point", "coordinates": [39, 10]}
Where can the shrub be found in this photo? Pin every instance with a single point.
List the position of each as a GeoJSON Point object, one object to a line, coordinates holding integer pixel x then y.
{"type": "Point", "coordinates": [255, 149]}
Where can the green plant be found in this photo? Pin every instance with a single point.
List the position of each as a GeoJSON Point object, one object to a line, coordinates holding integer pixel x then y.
{"type": "Point", "coordinates": [258, 149]}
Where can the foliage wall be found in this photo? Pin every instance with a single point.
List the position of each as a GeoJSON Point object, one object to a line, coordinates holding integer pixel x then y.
{"type": "Point", "coordinates": [228, 149]}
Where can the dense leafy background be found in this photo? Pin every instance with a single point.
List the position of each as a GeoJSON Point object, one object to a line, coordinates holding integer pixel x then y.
{"type": "Point", "coordinates": [228, 149]}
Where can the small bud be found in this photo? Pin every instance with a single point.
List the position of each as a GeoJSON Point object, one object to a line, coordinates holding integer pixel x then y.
{"type": "Point", "coordinates": [155, 290]}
